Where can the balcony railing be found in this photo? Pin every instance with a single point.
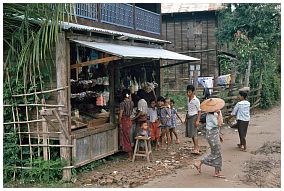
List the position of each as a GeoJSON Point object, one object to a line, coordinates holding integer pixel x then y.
{"type": "Point", "coordinates": [147, 21]}
{"type": "Point", "coordinates": [86, 10]}
{"type": "Point", "coordinates": [120, 14]}
{"type": "Point", "coordinates": [117, 13]}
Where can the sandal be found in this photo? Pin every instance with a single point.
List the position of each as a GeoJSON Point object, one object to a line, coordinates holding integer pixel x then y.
{"type": "Point", "coordinates": [198, 167]}
{"type": "Point", "coordinates": [243, 149]}
{"type": "Point", "coordinates": [239, 145]}
{"type": "Point", "coordinates": [219, 176]}
{"type": "Point", "coordinates": [177, 141]}
{"type": "Point", "coordinates": [195, 152]}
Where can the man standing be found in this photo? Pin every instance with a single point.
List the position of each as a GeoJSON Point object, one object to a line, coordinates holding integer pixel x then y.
{"type": "Point", "coordinates": [192, 117]}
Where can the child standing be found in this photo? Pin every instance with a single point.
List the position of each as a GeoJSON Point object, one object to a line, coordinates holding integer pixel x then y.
{"type": "Point", "coordinates": [166, 121]}
{"type": "Point", "coordinates": [154, 124]}
{"type": "Point", "coordinates": [174, 116]}
{"type": "Point", "coordinates": [242, 112]}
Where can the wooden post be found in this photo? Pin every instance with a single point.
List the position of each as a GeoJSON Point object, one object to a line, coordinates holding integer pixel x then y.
{"type": "Point", "coordinates": [195, 75]}
{"type": "Point", "coordinates": [44, 136]}
{"type": "Point", "coordinates": [247, 74]}
{"type": "Point", "coordinates": [61, 80]}
{"type": "Point", "coordinates": [161, 72]}
{"type": "Point", "coordinates": [112, 91]}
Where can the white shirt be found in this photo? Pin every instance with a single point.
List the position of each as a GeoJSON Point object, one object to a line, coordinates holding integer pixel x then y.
{"type": "Point", "coordinates": [193, 106]}
{"type": "Point", "coordinates": [211, 121]}
{"type": "Point", "coordinates": [242, 110]}
{"type": "Point", "coordinates": [152, 113]}
{"type": "Point", "coordinates": [142, 106]}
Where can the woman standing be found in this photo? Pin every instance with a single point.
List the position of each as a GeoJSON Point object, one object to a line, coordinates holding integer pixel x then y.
{"type": "Point", "coordinates": [213, 123]}
{"type": "Point", "coordinates": [126, 108]}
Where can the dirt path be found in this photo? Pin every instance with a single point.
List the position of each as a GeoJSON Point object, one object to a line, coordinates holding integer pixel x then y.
{"type": "Point", "coordinates": [258, 167]}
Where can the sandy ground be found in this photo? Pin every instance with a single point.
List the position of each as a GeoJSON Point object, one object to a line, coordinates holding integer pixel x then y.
{"type": "Point", "coordinates": [242, 169]}
{"type": "Point", "coordinates": [258, 167]}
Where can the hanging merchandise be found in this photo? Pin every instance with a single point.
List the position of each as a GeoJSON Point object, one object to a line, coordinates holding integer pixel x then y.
{"type": "Point", "coordinates": [136, 87]}
{"type": "Point", "coordinates": [153, 75]}
{"type": "Point", "coordinates": [139, 84]}
{"type": "Point", "coordinates": [100, 81]}
{"type": "Point", "coordinates": [105, 81]}
{"type": "Point", "coordinates": [105, 97]}
{"type": "Point", "coordinates": [132, 88]}
{"type": "Point", "coordinates": [100, 100]}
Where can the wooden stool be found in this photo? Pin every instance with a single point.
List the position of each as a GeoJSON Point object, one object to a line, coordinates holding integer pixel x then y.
{"type": "Point", "coordinates": [148, 149]}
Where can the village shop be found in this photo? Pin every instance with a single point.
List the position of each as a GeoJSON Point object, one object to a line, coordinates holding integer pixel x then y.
{"type": "Point", "coordinates": [93, 66]}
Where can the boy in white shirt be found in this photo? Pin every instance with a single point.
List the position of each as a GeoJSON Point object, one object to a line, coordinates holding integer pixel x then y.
{"type": "Point", "coordinates": [242, 113]}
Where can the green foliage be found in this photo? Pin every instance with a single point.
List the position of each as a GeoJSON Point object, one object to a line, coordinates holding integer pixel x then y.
{"type": "Point", "coordinates": [225, 64]}
{"type": "Point", "coordinates": [253, 32]}
{"type": "Point", "coordinates": [89, 167]}
{"type": "Point", "coordinates": [180, 99]}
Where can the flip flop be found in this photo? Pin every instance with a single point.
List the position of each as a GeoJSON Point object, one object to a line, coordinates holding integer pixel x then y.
{"type": "Point", "coordinates": [195, 152]}
{"type": "Point", "coordinates": [198, 168]}
{"type": "Point", "coordinates": [219, 176]}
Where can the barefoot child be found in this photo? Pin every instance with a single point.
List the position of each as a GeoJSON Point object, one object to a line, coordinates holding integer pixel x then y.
{"type": "Point", "coordinates": [174, 116]}
{"type": "Point", "coordinates": [213, 124]}
{"type": "Point", "coordinates": [154, 124]}
{"type": "Point", "coordinates": [166, 121]}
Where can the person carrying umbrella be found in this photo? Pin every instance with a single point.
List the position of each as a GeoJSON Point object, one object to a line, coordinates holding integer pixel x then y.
{"type": "Point", "coordinates": [214, 122]}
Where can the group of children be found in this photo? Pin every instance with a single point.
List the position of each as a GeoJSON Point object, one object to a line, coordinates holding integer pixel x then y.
{"type": "Point", "coordinates": [162, 120]}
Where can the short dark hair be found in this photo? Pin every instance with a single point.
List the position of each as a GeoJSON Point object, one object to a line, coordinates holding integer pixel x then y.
{"type": "Point", "coordinates": [141, 123]}
{"type": "Point", "coordinates": [190, 87]}
{"type": "Point", "coordinates": [125, 92]}
{"type": "Point", "coordinates": [151, 100]}
{"type": "Point", "coordinates": [161, 98]}
{"type": "Point", "coordinates": [243, 94]}
{"type": "Point", "coordinates": [173, 101]}
{"type": "Point", "coordinates": [141, 94]}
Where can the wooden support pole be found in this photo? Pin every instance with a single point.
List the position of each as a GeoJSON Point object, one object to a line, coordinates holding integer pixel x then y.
{"type": "Point", "coordinates": [93, 62]}
{"type": "Point", "coordinates": [195, 76]}
{"type": "Point", "coordinates": [61, 79]}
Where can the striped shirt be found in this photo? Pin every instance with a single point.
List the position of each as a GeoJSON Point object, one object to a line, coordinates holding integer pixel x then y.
{"type": "Point", "coordinates": [127, 107]}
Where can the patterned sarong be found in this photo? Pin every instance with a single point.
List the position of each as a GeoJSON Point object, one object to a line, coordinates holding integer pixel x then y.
{"type": "Point", "coordinates": [214, 158]}
{"type": "Point", "coordinates": [125, 142]}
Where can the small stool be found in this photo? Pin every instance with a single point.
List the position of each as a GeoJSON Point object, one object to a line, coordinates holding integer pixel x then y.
{"type": "Point", "coordinates": [148, 149]}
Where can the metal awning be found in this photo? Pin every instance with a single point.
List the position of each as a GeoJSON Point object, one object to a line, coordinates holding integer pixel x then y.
{"type": "Point", "coordinates": [129, 52]}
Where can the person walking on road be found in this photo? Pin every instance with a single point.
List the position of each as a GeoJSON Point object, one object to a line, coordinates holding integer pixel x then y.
{"type": "Point", "coordinates": [192, 117]}
{"type": "Point", "coordinates": [242, 113]}
{"type": "Point", "coordinates": [214, 122]}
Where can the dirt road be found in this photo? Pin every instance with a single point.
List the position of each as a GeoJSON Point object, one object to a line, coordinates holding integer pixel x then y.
{"type": "Point", "coordinates": [261, 162]}
{"type": "Point", "coordinates": [258, 167]}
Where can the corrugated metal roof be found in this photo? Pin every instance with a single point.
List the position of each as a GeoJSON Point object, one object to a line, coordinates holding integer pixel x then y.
{"type": "Point", "coordinates": [135, 51]}
{"type": "Point", "coordinates": [71, 26]}
{"type": "Point", "coordinates": [190, 7]}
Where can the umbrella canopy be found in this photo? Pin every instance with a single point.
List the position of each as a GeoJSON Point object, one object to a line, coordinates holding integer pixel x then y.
{"type": "Point", "coordinates": [212, 105]}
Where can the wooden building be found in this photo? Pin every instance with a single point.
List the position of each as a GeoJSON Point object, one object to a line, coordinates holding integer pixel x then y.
{"type": "Point", "coordinates": [112, 47]}
{"type": "Point", "coordinates": [191, 29]}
